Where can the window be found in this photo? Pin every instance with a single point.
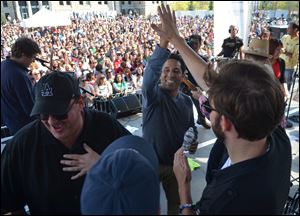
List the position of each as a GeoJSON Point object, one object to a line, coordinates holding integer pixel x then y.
{"type": "Point", "coordinates": [45, 3]}
{"type": "Point", "coordinates": [22, 3]}
{"type": "Point", "coordinates": [34, 3]}
{"type": "Point", "coordinates": [81, 2]}
{"type": "Point", "coordinates": [129, 2]}
{"type": "Point", "coordinates": [61, 3]}
{"type": "Point", "coordinates": [88, 3]}
{"type": "Point", "coordinates": [157, 2]}
{"type": "Point", "coordinates": [105, 2]}
{"type": "Point", "coordinates": [122, 2]}
{"type": "Point", "coordinates": [100, 2]}
{"type": "Point", "coordinates": [153, 2]}
{"type": "Point", "coordinates": [4, 3]}
{"type": "Point", "coordinates": [68, 2]}
{"type": "Point", "coordinates": [34, 10]}
{"type": "Point", "coordinates": [34, 6]}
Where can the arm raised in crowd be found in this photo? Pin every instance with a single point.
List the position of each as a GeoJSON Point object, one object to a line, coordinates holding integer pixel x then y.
{"type": "Point", "coordinates": [169, 32]}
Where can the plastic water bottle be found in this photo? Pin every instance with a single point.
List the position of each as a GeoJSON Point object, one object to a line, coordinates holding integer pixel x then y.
{"type": "Point", "coordinates": [188, 139]}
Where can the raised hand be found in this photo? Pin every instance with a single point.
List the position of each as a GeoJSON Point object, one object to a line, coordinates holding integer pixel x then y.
{"type": "Point", "coordinates": [168, 30]}
{"type": "Point", "coordinates": [80, 162]}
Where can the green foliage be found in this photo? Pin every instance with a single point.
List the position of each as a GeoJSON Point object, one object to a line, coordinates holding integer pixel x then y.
{"type": "Point", "coordinates": [283, 5]}
{"type": "Point", "coordinates": [211, 5]}
{"type": "Point", "coordinates": [179, 6]}
{"type": "Point", "coordinates": [191, 5]}
{"type": "Point", "coordinates": [3, 19]}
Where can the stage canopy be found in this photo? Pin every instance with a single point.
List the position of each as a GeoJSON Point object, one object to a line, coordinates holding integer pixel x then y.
{"type": "Point", "coordinates": [45, 17]}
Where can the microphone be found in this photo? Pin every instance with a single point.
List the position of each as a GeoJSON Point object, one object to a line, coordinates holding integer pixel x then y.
{"type": "Point", "coordinates": [41, 60]}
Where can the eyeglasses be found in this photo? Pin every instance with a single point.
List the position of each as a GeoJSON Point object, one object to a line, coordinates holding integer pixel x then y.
{"type": "Point", "coordinates": [208, 108]}
{"type": "Point", "coordinates": [61, 117]}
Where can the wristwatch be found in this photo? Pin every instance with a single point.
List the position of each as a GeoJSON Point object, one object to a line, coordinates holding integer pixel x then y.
{"type": "Point", "coordinates": [183, 206]}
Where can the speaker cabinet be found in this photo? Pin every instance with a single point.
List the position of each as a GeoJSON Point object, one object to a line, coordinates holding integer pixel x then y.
{"type": "Point", "coordinates": [126, 105]}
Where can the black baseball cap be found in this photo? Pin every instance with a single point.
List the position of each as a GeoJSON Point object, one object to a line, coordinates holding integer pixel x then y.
{"type": "Point", "coordinates": [54, 92]}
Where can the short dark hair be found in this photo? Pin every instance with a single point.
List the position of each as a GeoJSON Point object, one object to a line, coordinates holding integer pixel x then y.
{"type": "Point", "coordinates": [250, 97]}
{"type": "Point", "coordinates": [25, 46]}
{"type": "Point", "coordinates": [88, 76]}
{"type": "Point", "coordinates": [179, 59]}
{"type": "Point", "coordinates": [294, 25]}
{"type": "Point", "coordinates": [99, 67]}
{"type": "Point", "coordinates": [273, 44]}
{"type": "Point", "coordinates": [195, 37]}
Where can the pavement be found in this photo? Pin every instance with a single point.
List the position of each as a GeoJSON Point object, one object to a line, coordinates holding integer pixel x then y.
{"type": "Point", "coordinates": [206, 140]}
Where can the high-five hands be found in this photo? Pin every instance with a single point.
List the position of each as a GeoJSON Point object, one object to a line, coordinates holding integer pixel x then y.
{"type": "Point", "coordinates": [80, 162]}
{"type": "Point", "coordinates": [168, 29]}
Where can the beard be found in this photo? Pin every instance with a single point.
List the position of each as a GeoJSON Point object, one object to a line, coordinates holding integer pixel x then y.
{"type": "Point", "coordinates": [217, 129]}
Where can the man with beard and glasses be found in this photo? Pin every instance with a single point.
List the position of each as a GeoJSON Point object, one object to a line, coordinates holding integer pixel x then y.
{"type": "Point", "coordinates": [167, 115]}
{"type": "Point", "coordinates": [249, 166]}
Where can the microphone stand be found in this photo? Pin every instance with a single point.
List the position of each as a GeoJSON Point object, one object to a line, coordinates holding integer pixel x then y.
{"type": "Point", "coordinates": [82, 89]}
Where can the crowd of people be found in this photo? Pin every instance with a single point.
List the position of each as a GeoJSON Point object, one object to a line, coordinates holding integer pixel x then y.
{"type": "Point", "coordinates": [99, 45]}
{"type": "Point", "coordinates": [67, 158]}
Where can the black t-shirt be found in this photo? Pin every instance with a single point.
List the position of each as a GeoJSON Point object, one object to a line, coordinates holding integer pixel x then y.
{"type": "Point", "coordinates": [255, 186]}
{"type": "Point", "coordinates": [31, 172]}
{"type": "Point", "coordinates": [231, 46]}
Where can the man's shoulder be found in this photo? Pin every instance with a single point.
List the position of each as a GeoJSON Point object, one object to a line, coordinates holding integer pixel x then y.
{"type": "Point", "coordinates": [279, 135]}
{"type": "Point", "coordinates": [239, 39]}
{"type": "Point", "coordinates": [160, 52]}
{"type": "Point", "coordinates": [296, 40]}
{"type": "Point", "coordinates": [185, 98]}
{"type": "Point", "coordinates": [97, 117]}
{"type": "Point", "coordinates": [102, 123]}
{"type": "Point", "coordinates": [7, 63]}
{"type": "Point", "coordinates": [227, 39]}
{"type": "Point", "coordinates": [26, 135]}
{"type": "Point", "coordinates": [30, 128]}
{"type": "Point", "coordinates": [285, 37]}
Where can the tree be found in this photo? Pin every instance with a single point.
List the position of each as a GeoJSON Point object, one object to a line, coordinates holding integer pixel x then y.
{"type": "Point", "coordinates": [190, 6]}
{"type": "Point", "coordinates": [283, 5]}
{"type": "Point", "coordinates": [179, 6]}
{"type": "Point", "coordinates": [3, 19]}
{"type": "Point", "coordinates": [211, 5]}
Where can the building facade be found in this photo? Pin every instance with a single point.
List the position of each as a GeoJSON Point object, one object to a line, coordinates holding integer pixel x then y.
{"type": "Point", "coordinates": [24, 9]}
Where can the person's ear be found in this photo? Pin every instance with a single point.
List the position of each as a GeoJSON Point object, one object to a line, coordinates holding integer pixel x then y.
{"type": "Point", "coordinates": [226, 123]}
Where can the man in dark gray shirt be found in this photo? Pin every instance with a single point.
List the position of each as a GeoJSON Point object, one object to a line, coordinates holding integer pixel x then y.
{"type": "Point", "coordinates": [167, 114]}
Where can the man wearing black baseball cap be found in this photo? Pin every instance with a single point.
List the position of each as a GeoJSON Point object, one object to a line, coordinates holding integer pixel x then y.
{"type": "Point", "coordinates": [32, 165]}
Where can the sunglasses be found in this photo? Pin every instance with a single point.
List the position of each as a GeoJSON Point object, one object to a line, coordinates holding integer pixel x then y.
{"type": "Point", "coordinates": [208, 108]}
{"type": "Point", "coordinates": [60, 117]}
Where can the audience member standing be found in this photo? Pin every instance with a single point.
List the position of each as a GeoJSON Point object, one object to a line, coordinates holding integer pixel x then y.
{"type": "Point", "coordinates": [290, 52]}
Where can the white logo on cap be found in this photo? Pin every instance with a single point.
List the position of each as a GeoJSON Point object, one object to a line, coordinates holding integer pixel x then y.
{"type": "Point", "coordinates": [46, 90]}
